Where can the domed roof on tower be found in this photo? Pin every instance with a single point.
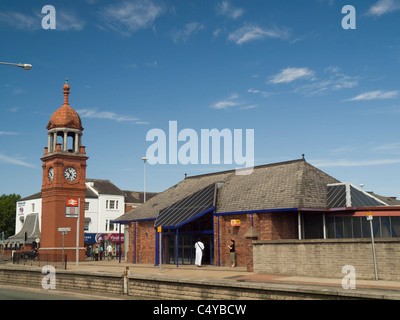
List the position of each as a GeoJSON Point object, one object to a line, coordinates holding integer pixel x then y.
{"type": "Point", "coordinates": [65, 117]}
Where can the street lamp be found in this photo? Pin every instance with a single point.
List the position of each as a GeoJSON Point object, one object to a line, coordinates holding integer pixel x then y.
{"type": "Point", "coordinates": [144, 186]}
{"type": "Point", "coordinates": [24, 66]}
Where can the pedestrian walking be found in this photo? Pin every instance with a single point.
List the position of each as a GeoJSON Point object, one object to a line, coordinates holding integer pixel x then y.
{"type": "Point", "coordinates": [110, 252]}
{"type": "Point", "coordinates": [232, 250]}
{"type": "Point", "coordinates": [199, 246]}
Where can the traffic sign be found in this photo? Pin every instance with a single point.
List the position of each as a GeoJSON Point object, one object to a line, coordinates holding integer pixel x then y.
{"type": "Point", "coordinates": [64, 229]}
{"type": "Point", "coordinates": [369, 215]}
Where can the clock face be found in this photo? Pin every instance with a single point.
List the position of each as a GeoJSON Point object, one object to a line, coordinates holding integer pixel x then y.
{"type": "Point", "coordinates": [51, 174]}
{"type": "Point", "coordinates": [70, 174]}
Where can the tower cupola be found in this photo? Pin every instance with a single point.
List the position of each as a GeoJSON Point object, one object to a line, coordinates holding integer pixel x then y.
{"type": "Point", "coordinates": [65, 129]}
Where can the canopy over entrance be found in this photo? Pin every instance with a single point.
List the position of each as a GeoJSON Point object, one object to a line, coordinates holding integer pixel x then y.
{"type": "Point", "coordinates": [188, 209]}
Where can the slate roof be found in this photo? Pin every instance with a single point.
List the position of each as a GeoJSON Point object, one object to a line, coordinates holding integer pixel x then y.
{"type": "Point", "coordinates": [105, 187]}
{"type": "Point", "coordinates": [291, 184]}
{"type": "Point", "coordinates": [137, 196]}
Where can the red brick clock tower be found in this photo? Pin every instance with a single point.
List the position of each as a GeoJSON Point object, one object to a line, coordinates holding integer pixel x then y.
{"type": "Point", "coordinates": [63, 187]}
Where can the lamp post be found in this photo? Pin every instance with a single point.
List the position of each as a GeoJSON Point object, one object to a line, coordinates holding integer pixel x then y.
{"type": "Point", "coordinates": [24, 66]}
{"type": "Point", "coordinates": [144, 185]}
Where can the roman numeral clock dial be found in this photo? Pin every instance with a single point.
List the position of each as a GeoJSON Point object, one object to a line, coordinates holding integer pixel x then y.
{"type": "Point", "coordinates": [70, 174]}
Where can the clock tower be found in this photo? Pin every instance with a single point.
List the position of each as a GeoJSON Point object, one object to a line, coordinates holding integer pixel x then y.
{"type": "Point", "coordinates": [63, 187]}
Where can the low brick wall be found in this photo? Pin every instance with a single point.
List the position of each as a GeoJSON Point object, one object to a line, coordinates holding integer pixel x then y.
{"type": "Point", "coordinates": [326, 258]}
{"type": "Point", "coordinates": [159, 287]}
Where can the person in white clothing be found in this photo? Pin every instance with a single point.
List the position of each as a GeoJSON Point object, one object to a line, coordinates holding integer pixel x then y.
{"type": "Point", "coordinates": [199, 246]}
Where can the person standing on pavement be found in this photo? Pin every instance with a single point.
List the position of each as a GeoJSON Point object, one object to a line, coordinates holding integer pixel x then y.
{"type": "Point", "coordinates": [199, 246]}
{"type": "Point", "coordinates": [109, 252]}
{"type": "Point", "coordinates": [232, 250]}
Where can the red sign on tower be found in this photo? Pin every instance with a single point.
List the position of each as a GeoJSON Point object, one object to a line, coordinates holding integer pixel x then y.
{"type": "Point", "coordinates": [72, 202]}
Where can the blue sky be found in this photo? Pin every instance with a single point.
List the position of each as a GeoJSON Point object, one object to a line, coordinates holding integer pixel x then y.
{"type": "Point", "coordinates": [286, 69]}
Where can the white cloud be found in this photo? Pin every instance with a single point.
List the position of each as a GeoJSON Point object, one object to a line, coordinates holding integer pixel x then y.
{"type": "Point", "coordinates": [109, 115]}
{"type": "Point", "coordinates": [187, 31]}
{"type": "Point", "coordinates": [383, 7]}
{"type": "Point", "coordinates": [227, 103]}
{"type": "Point", "coordinates": [16, 161]}
{"type": "Point", "coordinates": [251, 33]}
{"type": "Point", "coordinates": [129, 17]}
{"type": "Point", "coordinates": [352, 163]}
{"type": "Point", "coordinates": [373, 95]}
{"type": "Point", "coordinates": [226, 9]}
{"type": "Point", "coordinates": [66, 21]}
{"type": "Point", "coordinates": [291, 74]}
{"type": "Point", "coordinates": [8, 133]}
{"type": "Point", "coordinates": [20, 21]}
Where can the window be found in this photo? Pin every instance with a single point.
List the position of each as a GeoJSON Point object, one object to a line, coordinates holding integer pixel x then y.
{"type": "Point", "coordinates": [112, 204]}
{"type": "Point", "coordinates": [33, 207]}
{"type": "Point", "coordinates": [111, 226]}
{"type": "Point", "coordinates": [86, 206]}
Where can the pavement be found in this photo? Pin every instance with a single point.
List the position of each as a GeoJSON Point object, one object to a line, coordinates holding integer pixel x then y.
{"type": "Point", "coordinates": [374, 288]}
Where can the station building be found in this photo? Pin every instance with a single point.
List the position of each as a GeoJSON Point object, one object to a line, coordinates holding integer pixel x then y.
{"type": "Point", "coordinates": [286, 200]}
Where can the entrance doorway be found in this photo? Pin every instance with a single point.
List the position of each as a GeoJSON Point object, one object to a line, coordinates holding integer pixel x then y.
{"type": "Point", "coordinates": [178, 244]}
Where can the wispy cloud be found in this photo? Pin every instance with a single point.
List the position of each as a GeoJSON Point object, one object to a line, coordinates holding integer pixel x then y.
{"type": "Point", "coordinates": [382, 7]}
{"type": "Point", "coordinates": [253, 32]}
{"type": "Point", "coordinates": [20, 21]}
{"type": "Point", "coordinates": [8, 133]}
{"type": "Point", "coordinates": [291, 74]}
{"type": "Point", "coordinates": [320, 163]}
{"type": "Point", "coordinates": [225, 8]}
{"type": "Point", "coordinates": [231, 102]}
{"type": "Point", "coordinates": [129, 17]}
{"type": "Point", "coordinates": [109, 115]}
{"type": "Point", "coordinates": [189, 29]}
{"type": "Point", "coordinates": [392, 148]}
{"type": "Point", "coordinates": [16, 161]}
{"type": "Point", "coordinates": [65, 20]}
{"type": "Point", "coordinates": [227, 103]}
{"type": "Point", "coordinates": [374, 95]}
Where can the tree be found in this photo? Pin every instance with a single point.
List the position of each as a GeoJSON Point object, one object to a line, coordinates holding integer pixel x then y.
{"type": "Point", "coordinates": [7, 212]}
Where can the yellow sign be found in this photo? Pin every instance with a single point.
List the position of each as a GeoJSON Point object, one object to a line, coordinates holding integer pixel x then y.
{"type": "Point", "coordinates": [159, 229]}
{"type": "Point", "coordinates": [235, 223]}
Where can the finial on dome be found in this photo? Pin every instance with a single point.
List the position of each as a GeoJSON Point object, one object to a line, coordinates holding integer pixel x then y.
{"type": "Point", "coordinates": [66, 91]}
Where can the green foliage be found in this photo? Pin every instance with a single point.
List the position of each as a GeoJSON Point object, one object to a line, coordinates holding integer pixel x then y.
{"type": "Point", "coordinates": [7, 212]}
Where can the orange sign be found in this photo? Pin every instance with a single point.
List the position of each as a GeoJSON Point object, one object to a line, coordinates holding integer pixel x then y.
{"type": "Point", "coordinates": [235, 223]}
{"type": "Point", "coordinates": [72, 202]}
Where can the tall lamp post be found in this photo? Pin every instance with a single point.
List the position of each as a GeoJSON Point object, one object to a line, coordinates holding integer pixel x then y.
{"type": "Point", "coordinates": [24, 66]}
{"type": "Point", "coordinates": [144, 185]}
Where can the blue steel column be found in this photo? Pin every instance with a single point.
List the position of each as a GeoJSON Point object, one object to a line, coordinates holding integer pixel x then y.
{"type": "Point", "coordinates": [157, 248]}
{"type": "Point", "coordinates": [177, 246]}
{"type": "Point", "coordinates": [219, 260]}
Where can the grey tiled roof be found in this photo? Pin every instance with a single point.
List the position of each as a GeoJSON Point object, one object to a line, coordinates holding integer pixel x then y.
{"type": "Point", "coordinates": [105, 187]}
{"type": "Point", "coordinates": [291, 184]}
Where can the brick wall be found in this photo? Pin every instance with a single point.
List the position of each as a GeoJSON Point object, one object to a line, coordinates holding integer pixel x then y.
{"type": "Point", "coordinates": [326, 258]}
{"type": "Point", "coordinates": [270, 226]}
{"type": "Point", "coordinates": [161, 287]}
{"type": "Point", "coordinates": [145, 242]}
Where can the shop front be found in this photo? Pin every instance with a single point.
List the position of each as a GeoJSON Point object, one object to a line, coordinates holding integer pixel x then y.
{"type": "Point", "coordinates": [102, 241]}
